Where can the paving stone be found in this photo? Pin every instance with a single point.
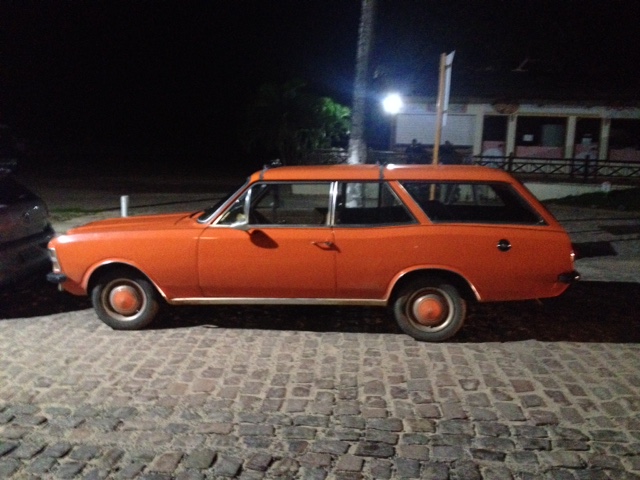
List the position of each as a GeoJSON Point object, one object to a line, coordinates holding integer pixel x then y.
{"type": "Point", "coordinates": [200, 459]}
{"type": "Point", "coordinates": [69, 469]}
{"type": "Point", "coordinates": [41, 465]}
{"type": "Point", "coordinates": [608, 436]}
{"type": "Point", "coordinates": [110, 457]}
{"type": "Point", "coordinates": [26, 451]}
{"type": "Point", "coordinates": [407, 468]}
{"type": "Point", "coordinates": [494, 472]}
{"type": "Point", "coordinates": [561, 459]}
{"type": "Point", "coordinates": [315, 460]}
{"type": "Point", "coordinates": [299, 432]}
{"type": "Point", "coordinates": [286, 467]}
{"type": "Point", "coordinates": [334, 447]}
{"type": "Point", "coordinates": [380, 469]}
{"type": "Point", "coordinates": [381, 437]}
{"type": "Point", "coordinates": [419, 425]}
{"type": "Point", "coordinates": [465, 470]}
{"type": "Point", "coordinates": [448, 453]}
{"type": "Point", "coordinates": [84, 453]}
{"type": "Point", "coordinates": [534, 443]}
{"type": "Point", "coordinates": [374, 449]}
{"type": "Point", "coordinates": [29, 420]}
{"type": "Point", "coordinates": [510, 412]}
{"type": "Point", "coordinates": [96, 474]}
{"type": "Point", "coordinates": [543, 417]}
{"type": "Point", "coordinates": [349, 463]}
{"type": "Point", "coordinates": [6, 447]}
{"type": "Point", "coordinates": [312, 421]}
{"type": "Point", "coordinates": [435, 471]}
{"type": "Point", "coordinates": [489, 455]}
{"type": "Point", "coordinates": [166, 462]}
{"type": "Point", "coordinates": [8, 467]}
{"type": "Point", "coordinates": [259, 462]}
{"type": "Point", "coordinates": [494, 443]}
{"type": "Point", "coordinates": [492, 429]}
{"type": "Point", "coordinates": [263, 430]}
{"type": "Point", "coordinates": [227, 466]}
{"type": "Point", "coordinates": [415, 452]}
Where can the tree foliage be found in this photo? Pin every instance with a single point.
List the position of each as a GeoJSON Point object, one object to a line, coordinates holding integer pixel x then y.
{"type": "Point", "coordinates": [287, 122]}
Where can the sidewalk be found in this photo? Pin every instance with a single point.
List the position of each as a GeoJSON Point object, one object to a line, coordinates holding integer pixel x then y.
{"type": "Point", "coordinates": [612, 236]}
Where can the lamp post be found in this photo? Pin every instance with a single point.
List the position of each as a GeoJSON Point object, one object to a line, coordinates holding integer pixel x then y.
{"type": "Point", "coordinates": [392, 104]}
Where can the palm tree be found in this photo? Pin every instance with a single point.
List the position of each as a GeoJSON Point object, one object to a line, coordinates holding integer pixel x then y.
{"type": "Point", "coordinates": [357, 145]}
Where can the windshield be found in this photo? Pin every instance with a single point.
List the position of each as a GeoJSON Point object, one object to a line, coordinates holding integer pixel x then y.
{"type": "Point", "coordinates": [207, 214]}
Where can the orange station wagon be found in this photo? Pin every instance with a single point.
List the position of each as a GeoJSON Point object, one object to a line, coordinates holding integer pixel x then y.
{"type": "Point", "coordinates": [424, 240]}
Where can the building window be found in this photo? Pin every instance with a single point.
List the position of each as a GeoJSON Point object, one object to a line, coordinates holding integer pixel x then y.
{"type": "Point", "coordinates": [624, 140]}
{"type": "Point", "coordinates": [540, 137]}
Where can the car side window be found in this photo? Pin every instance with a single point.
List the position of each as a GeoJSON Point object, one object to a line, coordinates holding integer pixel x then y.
{"type": "Point", "coordinates": [451, 202]}
{"type": "Point", "coordinates": [370, 203]}
{"type": "Point", "coordinates": [291, 204]}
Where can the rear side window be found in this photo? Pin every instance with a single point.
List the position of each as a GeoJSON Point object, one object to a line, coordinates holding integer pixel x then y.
{"type": "Point", "coordinates": [450, 202]}
{"type": "Point", "coordinates": [370, 203]}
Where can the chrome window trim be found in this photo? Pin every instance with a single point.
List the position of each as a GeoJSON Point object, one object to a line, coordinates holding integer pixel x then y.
{"type": "Point", "coordinates": [333, 200]}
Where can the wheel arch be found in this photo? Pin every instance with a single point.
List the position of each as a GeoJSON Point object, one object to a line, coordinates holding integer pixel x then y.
{"type": "Point", "coordinates": [466, 289]}
{"type": "Point", "coordinates": [109, 267]}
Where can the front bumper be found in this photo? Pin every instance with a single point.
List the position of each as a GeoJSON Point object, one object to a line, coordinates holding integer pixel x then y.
{"type": "Point", "coordinates": [57, 278]}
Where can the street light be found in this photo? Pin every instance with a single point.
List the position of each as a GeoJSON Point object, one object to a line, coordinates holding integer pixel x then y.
{"type": "Point", "coordinates": [392, 103]}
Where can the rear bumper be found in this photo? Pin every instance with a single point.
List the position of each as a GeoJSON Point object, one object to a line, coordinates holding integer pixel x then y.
{"type": "Point", "coordinates": [569, 277]}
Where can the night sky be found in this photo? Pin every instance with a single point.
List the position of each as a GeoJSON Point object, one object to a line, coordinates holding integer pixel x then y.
{"type": "Point", "coordinates": [170, 80]}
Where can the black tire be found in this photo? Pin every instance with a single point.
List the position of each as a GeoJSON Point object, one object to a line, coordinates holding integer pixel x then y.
{"type": "Point", "coordinates": [125, 300]}
{"type": "Point", "coordinates": [430, 309]}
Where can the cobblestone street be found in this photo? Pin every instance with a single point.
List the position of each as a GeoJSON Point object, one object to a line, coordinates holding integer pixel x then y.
{"type": "Point", "coordinates": [80, 400]}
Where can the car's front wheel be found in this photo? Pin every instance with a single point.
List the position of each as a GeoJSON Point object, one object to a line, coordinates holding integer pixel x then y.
{"type": "Point", "coordinates": [125, 300]}
{"type": "Point", "coordinates": [430, 309]}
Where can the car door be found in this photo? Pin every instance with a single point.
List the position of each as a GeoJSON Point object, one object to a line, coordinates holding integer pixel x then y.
{"type": "Point", "coordinates": [376, 236]}
{"type": "Point", "coordinates": [273, 243]}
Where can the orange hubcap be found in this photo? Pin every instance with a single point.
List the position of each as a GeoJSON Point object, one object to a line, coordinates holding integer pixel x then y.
{"type": "Point", "coordinates": [429, 310]}
{"type": "Point", "coordinates": [125, 300]}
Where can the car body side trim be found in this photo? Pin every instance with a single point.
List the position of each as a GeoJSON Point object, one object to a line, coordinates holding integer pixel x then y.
{"type": "Point", "coordinates": [277, 301]}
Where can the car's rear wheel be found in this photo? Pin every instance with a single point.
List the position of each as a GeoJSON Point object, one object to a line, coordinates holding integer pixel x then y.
{"type": "Point", "coordinates": [430, 309]}
{"type": "Point", "coordinates": [125, 300]}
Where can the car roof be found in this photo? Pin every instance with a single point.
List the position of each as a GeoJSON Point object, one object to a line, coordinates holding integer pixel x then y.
{"type": "Point", "coordinates": [386, 172]}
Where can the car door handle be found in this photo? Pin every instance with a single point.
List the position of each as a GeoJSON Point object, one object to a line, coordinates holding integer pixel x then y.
{"type": "Point", "coordinates": [504, 245]}
{"type": "Point", "coordinates": [327, 245]}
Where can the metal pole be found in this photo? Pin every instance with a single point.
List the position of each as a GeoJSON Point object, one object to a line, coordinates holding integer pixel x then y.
{"type": "Point", "coordinates": [440, 109]}
{"type": "Point", "coordinates": [124, 206]}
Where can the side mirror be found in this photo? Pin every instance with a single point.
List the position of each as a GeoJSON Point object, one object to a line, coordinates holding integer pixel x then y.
{"type": "Point", "coordinates": [241, 225]}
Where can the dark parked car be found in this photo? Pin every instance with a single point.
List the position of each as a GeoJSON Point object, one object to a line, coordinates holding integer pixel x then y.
{"type": "Point", "coordinates": [25, 231]}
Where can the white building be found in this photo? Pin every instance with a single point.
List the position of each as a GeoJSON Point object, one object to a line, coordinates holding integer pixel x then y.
{"type": "Point", "coordinates": [543, 130]}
